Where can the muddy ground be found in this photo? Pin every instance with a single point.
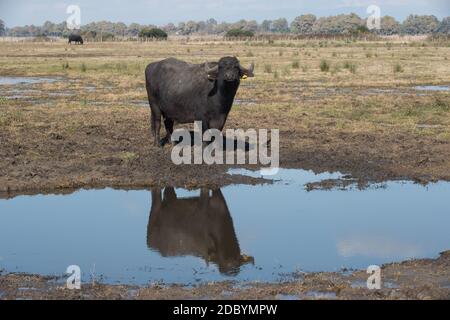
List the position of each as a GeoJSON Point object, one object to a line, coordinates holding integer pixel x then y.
{"type": "Point", "coordinates": [413, 279]}
{"type": "Point", "coordinates": [91, 127]}
{"type": "Point", "coordinates": [95, 147]}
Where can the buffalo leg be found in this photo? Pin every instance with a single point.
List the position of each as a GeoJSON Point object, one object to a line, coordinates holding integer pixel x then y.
{"type": "Point", "coordinates": [168, 123]}
{"type": "Point", "coordinates": [156, 126]}
{"type": "Point", "coordinates": [169, 194]}
{"type": "Point", "coordinates": [205, 127]}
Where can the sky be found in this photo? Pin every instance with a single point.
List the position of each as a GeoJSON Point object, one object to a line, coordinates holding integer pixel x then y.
{"type": "Point", "coordinates": [159, 12]}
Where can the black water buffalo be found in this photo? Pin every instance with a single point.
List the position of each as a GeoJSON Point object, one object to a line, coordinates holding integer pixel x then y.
{"type": "Point", "coordinates": [75, 38]}
{"type": "Point", "coordinates": [183, 93]}
{"type": "Point", "coordinates": [200, 226]}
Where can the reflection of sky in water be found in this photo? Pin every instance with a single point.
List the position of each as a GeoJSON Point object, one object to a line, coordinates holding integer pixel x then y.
{"type": "Point", "coordinates": [282, 226]}
{"type": "Point", "coordinates": [433, 88]}
{"type": "Point", "coordinates": [24, 80]}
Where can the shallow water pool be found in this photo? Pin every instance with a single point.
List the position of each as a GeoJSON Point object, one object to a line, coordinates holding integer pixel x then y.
{"type": "Point", "coordinates": [24, 80]}
{"type": "Point", "coordinates": [240, 232]}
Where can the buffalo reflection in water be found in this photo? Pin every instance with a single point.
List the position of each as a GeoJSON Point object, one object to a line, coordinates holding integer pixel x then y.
{"type": "Point", "coordinates": [200, 226]}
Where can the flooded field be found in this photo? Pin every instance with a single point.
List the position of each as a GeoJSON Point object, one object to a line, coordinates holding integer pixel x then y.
{"type": "Point", "coordinates": [433, 88]}
{"type": "Point", "coordinates": [24, 80]}
{"type": "Point", "coordinates": [20, 88]}
{"type": "Point", "coordinates": [267, 233]}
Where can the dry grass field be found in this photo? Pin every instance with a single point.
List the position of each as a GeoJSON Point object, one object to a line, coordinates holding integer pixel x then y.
{"type": "Point", "coordinates": [339, 105]}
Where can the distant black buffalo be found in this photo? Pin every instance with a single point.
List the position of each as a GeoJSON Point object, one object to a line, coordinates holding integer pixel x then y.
{"type": "Point", "coordinates": [200, 226]}
{"type": "Point", "coordinates": [181, 92]}
{"type": "Point", "coordinates": [75, 38]}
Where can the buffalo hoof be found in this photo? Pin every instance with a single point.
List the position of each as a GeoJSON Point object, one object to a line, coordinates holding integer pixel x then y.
{"type": "Point", "coordinates": [164, 141]}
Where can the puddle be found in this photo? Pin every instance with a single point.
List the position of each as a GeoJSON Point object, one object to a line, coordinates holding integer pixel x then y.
{"type": "Point", "coordinates": [139, 103]}
{"type": "Point", "coordinates": [286, 297]}
{"type": "Point", "coordinates": [432, 88]}
{"type": "Point", "coordinates": [289, 176]}
{"type": "Point", "coordinates": [321, 295]}
{"type": "Point", "coordinates": [61, 94]}
{"type": "Point", "coordinates": [359, 284]}
{"type": "Point", "coordinates": [249, 233]}
{"type": "Point", "coordinates": [90, 88]}
{"type": "Point", "coordinates": [249, 102]}
{"type": "Point", "coordinates": [24, 80]}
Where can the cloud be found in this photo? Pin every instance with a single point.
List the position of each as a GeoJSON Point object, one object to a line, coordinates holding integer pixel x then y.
{"type": "Point", "coordinates": [376, 247]}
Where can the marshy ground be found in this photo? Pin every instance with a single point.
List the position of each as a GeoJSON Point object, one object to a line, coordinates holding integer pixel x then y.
{"type": "Point", "coordinates": [353, 107]}
{"type": "Point", "coordinates": [91, 127]}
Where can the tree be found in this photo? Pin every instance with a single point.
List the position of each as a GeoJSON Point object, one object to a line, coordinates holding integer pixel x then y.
{"type": "Point", "coordinates": [415, 24]}
{"type": "Point", "coordinates": [2, 27]}
{"type": "Point", "coordinates": [119, 29]}
{"type": "Point", "coordinates": [341, 24]}
{"type": "Point", "coordinates": [170, 28]}
{"type": "Point", "coordinates": [280, 25]}
{"type": "Point", "coordinates": [239, 33]}
{"type": "Point", "coordinates": [190, 27]}
{"type": "Point", "coordinates": [444, 26]}
{"type": "Point", "coordinates": [90, 35]}
{"type": "Point", "coordinates": [180, 27]}
{"type": "Point", "coordinates": [201, 27]}
{"type": "Point", "coordinates": [153, 33]}
{"type": "Point", "coordinates": [388, 26]}
{"type": "Point", "coordinates": [252, 26]}
{"type": "Point", "coordinates": [211, 25]}
{"type": "Point", "coordinates": [238, 25]}
{"type": "Point", "coordinates": [47, 28]}
{"type": "Point", "coordinates": [303, 24]}
{"type": "Point", "coordinates": [133, 29]}
{"type": "Point", "coordinates": [266, 26]}
{"type": "Point", "coordinates": [222, 28]}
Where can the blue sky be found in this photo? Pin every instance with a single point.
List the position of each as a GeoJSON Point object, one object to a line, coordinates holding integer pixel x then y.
{"type": "Point", "coordinates": [21, 12]}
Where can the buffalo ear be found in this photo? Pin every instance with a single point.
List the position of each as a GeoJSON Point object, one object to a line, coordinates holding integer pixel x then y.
{"type": "Point", "coordinates": [212, 72]}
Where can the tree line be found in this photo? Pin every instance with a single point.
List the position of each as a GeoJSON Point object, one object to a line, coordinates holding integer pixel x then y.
{"type": "Point", "coordinates": [308, 24]}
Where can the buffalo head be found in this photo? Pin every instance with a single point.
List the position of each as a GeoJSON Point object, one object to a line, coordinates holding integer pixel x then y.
{"type": "Point", "coordinates": [228, 69]}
